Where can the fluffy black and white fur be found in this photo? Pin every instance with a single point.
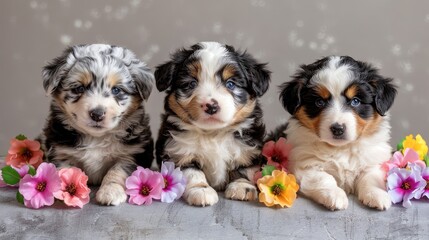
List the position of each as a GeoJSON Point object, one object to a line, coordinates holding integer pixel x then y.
{"type": "Point", "coordinates": [339, 130]}
{"type": "Point", "coordinates": [97, 120]}
{"type": "Point", "coordinates": [212, 126]}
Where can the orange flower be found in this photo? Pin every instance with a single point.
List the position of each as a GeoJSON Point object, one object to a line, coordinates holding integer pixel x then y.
{"type": "Point", "coordinates": [22, 152]}
{"type": "Point", "coordinates": [278, 189]}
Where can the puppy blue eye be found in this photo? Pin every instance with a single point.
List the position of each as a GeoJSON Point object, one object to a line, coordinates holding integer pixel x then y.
{"type": "Point", "coordinates": [320, 103]}
{"type": "Point", "coordinates": [193, 84]}
{"type": "Point", "coordinates": [115, 91]}
{"type": "Point", "coordinates": [79, 90]}
{"type": "Point", "coordinates": [230, 85]}
{"type": "Point", "coordinates": [355, 102]}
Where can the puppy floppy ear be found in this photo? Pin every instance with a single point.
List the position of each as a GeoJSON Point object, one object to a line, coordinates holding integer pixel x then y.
{"type": "Point", "coordinates": [142, 77]}
{"type": "Point", "coordinates": [56, 70]}
{"type": "Point", "coordinates": [256, 73]}
{"type": "Point", "coordinates": [290, 95]}
{"type": "Point", "coordinates": [164, 73]}
{"type": "Point", "coordinates": [140, 73]}
{"type": "Point", "coordinates": [259, 78]}
{"type": "Point", "coordinates": [384, 93]}
{"type": "Point", "coordinates": [164, 76]}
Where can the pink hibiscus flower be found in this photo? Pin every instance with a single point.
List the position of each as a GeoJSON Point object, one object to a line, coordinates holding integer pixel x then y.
{"type": "Point", "coordinates": [38, 190]}
{"type": "Point", "coordinates": [22, 172]}
{"type": "Point", "coordinates": [22, 152]}
{"type": "Point", "coordinates": [144, 185]}
{"type": "Point", "coordinates": [276, 154]}
{"type": "Point", "coordinates": [74, 190]}
{"type": "Point", "coordinates": [401, 161]}
{"type": "Point", "coordinates": [174, 182]}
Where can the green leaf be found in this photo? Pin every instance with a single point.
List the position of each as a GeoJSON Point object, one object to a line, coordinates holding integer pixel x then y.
{"type": "Point", "coordinates": [400, 145]}
{"type": "Point", "coordinates": [267, 170]}
{"type": "Point", "coordinates": [31, 170]}
{"type": "Point", "coordinates": [426, 159]}
{"type": "Point", "coordinates": [21, 137]}
{"type": "Point", "coordinates": [10, 175]}
{"type": "Point", "coordinates": [19, 197]}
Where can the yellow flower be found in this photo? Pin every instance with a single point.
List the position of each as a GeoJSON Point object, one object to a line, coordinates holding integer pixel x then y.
{"type": "Point", "coordinates": [278, 188]}
{"type": "Point", "coordinates": [418, 144]}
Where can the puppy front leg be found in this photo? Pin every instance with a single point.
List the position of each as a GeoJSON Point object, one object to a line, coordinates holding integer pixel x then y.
{"type": "Point", "coordinates": [112, 189]}
{"type": "Point", "coordinates": [322, 188]}
{"type": "Point", "coordinates": [241, 188]}
{"type": "Point", "coordinates": [198, 192]}
{"type": "Point", "coordinates": [371, 189]}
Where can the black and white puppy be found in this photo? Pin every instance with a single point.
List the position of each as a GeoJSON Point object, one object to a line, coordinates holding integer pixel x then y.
{"type": "Point", "coordinates": [339, 130]}
{"type": "Point", "coordinates": [212, 127]}
{"type": "Point", "coordinates": [97, 121]}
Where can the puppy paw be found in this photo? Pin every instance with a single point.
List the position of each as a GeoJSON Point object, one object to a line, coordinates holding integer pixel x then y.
{"type": "Point", "coordinates": [201, 196]}
{"type": "Point", "coordinates": [241, 190]}
{"type": "Point", "coordinates": [375, 198]}
{"type": "Point", "coordinates": [335, 199]}
{"type": "Point", "coordinates": [111, 194]}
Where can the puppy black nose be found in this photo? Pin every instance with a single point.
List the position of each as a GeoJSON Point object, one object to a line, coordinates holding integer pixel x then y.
{"type": "Point", "coordinates": [97, 114]}
{"type": "Point", "coordinates": [337, 129]}
{"type": "Point", "coordinates": [212, 107]}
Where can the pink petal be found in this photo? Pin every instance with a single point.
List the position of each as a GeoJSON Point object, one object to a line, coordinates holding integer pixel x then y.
{"type": "Point", "coordinates": [282, 147]}
{"type": "Point", "coordinates": [410, 155]}
{"type": "Point", "coordinates": [168, 197]}
{"type": "Point", "coordinates": [73, 201]}
{"type": "Point", "coordinates": [406, 200]}
{"type": "Point", "coordinates": [132, 182]}
{"type": "Point", "coordinates": [275, 164]}
{"type": "Point", "coordinates": [394, 181]}
{"type": "Point", "coordinates": [396, 195]}
{"type": "Point", "coordinates": [397, 159]}
{"type": "Point", "coordinates": [59, 195]}
{"type": "Point", "coordinates": [22, 171]}
{"type": "Point", "coordinates": [16, 146]}
{"type": "Point", "coordinates": [137, 199]}
{"type": "Point", "coordinates": [32, 145]}
{"type": "Point", "coordinates": [148, 201]}
{"type": "Point", "coordinates": [27, 187]}
{"type": "Point", "coordinates": [65, 176]}
{"type": "Point", "coordinates": [268, 149]}
{"type": "Point", "coordinates": [167, 168]}
{"type": "Point", "coordinates": [155, 179]}
{"type": "Point", "coordinates": [144, 175]}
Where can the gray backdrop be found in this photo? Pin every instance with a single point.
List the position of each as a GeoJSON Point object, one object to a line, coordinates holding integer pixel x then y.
{"type": "Point", "coordinates": [393, 35]}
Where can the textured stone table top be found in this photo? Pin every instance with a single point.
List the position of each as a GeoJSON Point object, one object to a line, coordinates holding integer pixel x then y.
{"type": "Point", "coordinates": [226, 220]}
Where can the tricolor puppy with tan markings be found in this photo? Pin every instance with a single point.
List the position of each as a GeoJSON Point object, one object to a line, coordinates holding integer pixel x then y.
{"type": "Point", "coordinates": [339, 130]}
{"type": "Point", "coordinates": [97, 120]}
{"type": "Point", "coordinates": [212, 126]}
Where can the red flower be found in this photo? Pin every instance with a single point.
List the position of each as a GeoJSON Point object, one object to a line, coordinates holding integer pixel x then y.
{"type": "Point", "coordinates": [277, 153]}
{"type": "Point", "coordinates": [22, 152]}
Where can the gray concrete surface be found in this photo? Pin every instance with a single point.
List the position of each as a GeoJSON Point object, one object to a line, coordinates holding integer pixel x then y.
{"type": "Point", "coordinates": [226, 220]}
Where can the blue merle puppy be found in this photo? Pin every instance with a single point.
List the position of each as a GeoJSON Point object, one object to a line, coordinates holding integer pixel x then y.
{"type": "Point", "coordinates": [97, 120]}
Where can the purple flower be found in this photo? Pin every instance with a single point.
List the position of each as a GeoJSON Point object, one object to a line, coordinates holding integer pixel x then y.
{"type": "Point", "coordinates": [22, 172]}
{"type": "Point", "coordinates": [404, 185]}
{"type": "Point", "coordinates": [38, 190]}
{"type": "Point", "coordinates": [425, 176]}
{"type": "Point", "coordinates": [174, 182]}
{"type": "Point", "coordinates": [144, 185]}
